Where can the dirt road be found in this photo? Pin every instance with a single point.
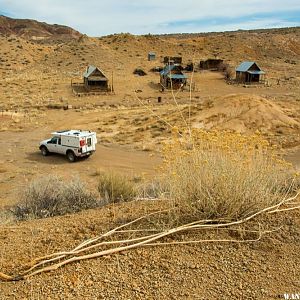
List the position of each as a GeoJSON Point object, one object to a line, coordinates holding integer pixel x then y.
{"type": "Point", "coordinates": [21, 161]}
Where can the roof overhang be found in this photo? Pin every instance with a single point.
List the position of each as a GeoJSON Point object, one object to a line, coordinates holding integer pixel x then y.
{"type": "Point", "coordinates": [177, 76]}
{"type": "Point", "coordinates": [256, 72]}
{"type": "Point", "coordinates": [94, 78]}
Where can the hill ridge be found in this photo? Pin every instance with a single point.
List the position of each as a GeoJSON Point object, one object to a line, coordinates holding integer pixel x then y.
{"type": "Point", "coordinates": [35, 30]}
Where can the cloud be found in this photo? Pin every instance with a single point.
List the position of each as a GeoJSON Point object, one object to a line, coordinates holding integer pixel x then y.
{"type": "Point", "coordinates": [255, 21]}
{"type": "Point", "coordinates": [96, 17]}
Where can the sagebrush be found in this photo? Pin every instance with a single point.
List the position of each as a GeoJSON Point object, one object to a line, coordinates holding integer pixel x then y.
{"type": "Point", "coordinates": [51, 196]}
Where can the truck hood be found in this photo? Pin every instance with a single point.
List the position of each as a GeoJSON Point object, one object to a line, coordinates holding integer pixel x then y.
{"type": "Point", "coordinates": [44, 142]}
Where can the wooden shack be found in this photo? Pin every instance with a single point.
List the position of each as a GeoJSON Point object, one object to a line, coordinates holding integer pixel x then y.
{"type": "Point", "coordinates": [248, 72]}
{"type": "Point", "coordinates": [95, 80]}
{"type": "Point", "coordinates": [171, 77]}
{"type": "Point", "coordinates": [212, 64]}
{"type": "Point", "coordinates": [173, 60]}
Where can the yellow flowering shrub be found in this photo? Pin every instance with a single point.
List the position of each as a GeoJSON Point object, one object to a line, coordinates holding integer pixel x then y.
{"type": "Point", "coordinates": [219, 174]}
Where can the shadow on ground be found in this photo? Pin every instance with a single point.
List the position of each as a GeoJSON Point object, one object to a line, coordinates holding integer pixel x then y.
{"type": "Point", "coordinates": [51, 159]}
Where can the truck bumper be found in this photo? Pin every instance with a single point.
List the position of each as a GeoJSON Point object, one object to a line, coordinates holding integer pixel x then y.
{"type": "Point", "coordinates": [85, 154]}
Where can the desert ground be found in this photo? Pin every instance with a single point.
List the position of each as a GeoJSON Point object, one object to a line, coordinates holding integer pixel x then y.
{"type": "Point", "coordinates": [36, 99]}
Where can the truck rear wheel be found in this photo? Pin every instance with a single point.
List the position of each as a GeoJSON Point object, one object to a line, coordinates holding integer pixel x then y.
{"type": "Point", "coordinates": [71, 156]}
{"type": "Point", "coordinates": [44, 151]}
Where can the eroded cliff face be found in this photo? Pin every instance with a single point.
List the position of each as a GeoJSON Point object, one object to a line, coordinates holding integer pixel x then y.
{"type": "Point", "coordinates": [34, 30]}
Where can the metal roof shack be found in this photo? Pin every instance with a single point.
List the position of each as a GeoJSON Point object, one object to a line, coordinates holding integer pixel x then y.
{"type": "Point", "coordinates": [172, 77]}
{"type": "Point", "coordinates": [248, 72]}
{"type": "Point", "coordinates": [95, 79]}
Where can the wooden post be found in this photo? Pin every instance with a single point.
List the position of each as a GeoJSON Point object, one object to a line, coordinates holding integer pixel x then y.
{"type": "Point", "coordinates": [112, 82]}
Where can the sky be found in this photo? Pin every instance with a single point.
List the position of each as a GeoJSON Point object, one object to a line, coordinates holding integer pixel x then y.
{"type": "Point", "coordinates": [103, 17]}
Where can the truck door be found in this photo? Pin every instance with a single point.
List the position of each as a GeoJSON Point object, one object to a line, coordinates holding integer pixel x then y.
{"type": "Point", "coordinates": [83, 145]}
{"type": "Point", "coordinates": [59, 148]}
{"type": "Point", "coordinates": [52, 144]}
{"type": "Point", "coordinates": [88, 144]}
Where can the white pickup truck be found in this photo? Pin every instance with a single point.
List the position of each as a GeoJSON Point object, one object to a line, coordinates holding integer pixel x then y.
{"type": "Point", "coordinates": [72, 143]}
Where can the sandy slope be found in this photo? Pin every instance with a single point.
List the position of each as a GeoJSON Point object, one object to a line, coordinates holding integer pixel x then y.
{"type": "Point", "coordinates": [245, 113]}
{"type": "Point", "coordinates": [262, 270]}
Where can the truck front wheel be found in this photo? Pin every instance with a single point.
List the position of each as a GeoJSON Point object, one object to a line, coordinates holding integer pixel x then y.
{"type": "Point", "coordinates": [71, 156]}
{"type": "Point", "coordinates": [44, 151]}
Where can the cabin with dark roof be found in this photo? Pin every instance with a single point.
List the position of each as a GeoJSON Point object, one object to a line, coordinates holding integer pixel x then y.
{"type": "Point", "coordinates": [94, 79]}
{"type": "Point", "coordinates": [172, 77]}
{"type": "Point", "coordinates": [248, 72]}
{"type": "Point", "coordinates": [212, 64]}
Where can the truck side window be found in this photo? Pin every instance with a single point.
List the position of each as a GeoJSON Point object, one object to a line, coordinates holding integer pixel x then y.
{"type": "Point", "coordinates": [59, 141]}
{"type": "Point", "coordinates": [54, 140]}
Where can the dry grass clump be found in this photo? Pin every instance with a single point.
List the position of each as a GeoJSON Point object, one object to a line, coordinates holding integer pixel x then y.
{"type": "Point", "coordinates": [152, 189]}
{"type": "Point", "coordinates": [115, 187]}
{"type": "Point", "coordinates": [6, 217]}
{"type": "Point", "coordinates": [51, 196]}
{"type": "Point", "coordinates": [223, 175]}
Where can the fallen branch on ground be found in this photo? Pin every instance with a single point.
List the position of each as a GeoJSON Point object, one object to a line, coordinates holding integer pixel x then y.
{"type": "Point", "coordinates": [82, 251]}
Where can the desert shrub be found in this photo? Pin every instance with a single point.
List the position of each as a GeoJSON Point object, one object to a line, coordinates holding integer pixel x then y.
{"type": "Point", "coordinates": [223, 175]}
{"type": "Point", "coordinates": [115, 187]}
{"type": "Point", "coordinates": [226, 70]}
{"type": "Point", "coordinates": [139, 72]}
{"type": "Point", "coordinates": [51, 196]}
{"type": "Point", "coordinates": [152, 189]}
{"type": "Point", "coordinates": [54, 106]}
{"type": "Point", "coordinates": [6, 217]}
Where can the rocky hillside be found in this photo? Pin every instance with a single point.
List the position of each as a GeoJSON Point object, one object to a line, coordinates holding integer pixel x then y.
{"type": "Point", "coordinates": [34, 30]}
